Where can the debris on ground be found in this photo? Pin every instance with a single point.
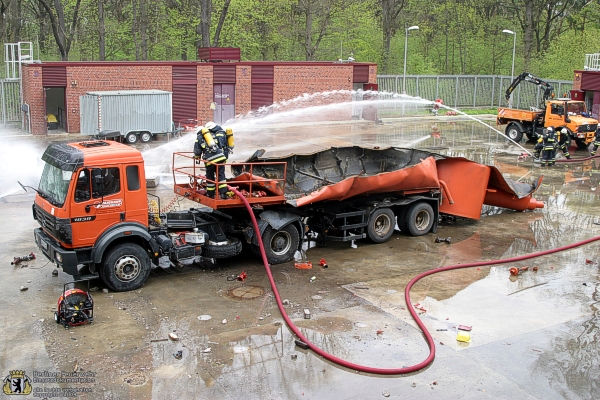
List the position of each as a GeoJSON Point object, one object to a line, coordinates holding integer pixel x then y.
{"type": "Point", "coordinates": [443, 240]}
{"type": "Point", "coordinates": [323, 263]}
{"type": "Point", "coordinates": [158, 340]}
{"type": "Point", "coordinates": [306, 313]}
{"type": "Point", "coordinates": [312, 279]}
{"type": "Point", "coordinates": [105, 291]}
{"type": "Point", "coordinates": [294, 356]}
{"type": "Point", "coordinates": [516, 271]}
{"type": "Point", "coordinates": [224, 321]}
{"type": "Point", "coordinates": [464, 327]}
{"type": "Point", "coordinates": [386, 393]}
{"type": "Point", "coordinates": [178, 354]}
{"type": "Point", "coordinates": [463, 336]}
{"type": "Point", "coordinates": [23, 288]}
{"type": "Point", "coordinates": [18, 260]}
{"type": "Point", "coordinates": [173, 337]}
{"type": "Point", "coordinates": [207, 350]}
{"type": "Point", "coordinates": [303, 265]}
{"type": "Point", "coordinates": [242, 277]}
{"type": "Point", "coordinates": [204, 317]}
{"type": "Point", "coordinates": [55, 272]}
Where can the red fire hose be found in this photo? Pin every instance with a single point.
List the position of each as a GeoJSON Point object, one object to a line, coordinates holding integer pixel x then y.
{"type": "Point", "coordinates": [430, 342]}
{"type": "Point", "coordinates": [574, 160]}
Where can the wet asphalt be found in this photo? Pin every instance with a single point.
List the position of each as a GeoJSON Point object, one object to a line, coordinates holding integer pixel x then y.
{"type": "Point", "coordinates": [534, 336]}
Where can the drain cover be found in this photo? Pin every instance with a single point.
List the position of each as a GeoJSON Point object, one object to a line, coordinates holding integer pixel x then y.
{"type": "Point", "coordinates": [246, 292]}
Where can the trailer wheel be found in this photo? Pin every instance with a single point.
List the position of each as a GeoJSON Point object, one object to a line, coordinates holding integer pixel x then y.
{"type": "Point", "coordinates": [126, 267]}
{"type": "Point", "coordinates": [280, 245]}
{"type": "Point", "coordinates": [381, 225]}
{"type": "Point", "coordinates": [232, 248]}
{"type": "Point", "coordinates": [131, 138]}
{"type": "Point", "coordinates": [419, 218]}
{"type": "Point", "coordinates": [145, 137]}
{"type": "Point", "coordinates": [514, 133]}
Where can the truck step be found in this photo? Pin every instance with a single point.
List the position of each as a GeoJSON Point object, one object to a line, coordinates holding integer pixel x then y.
{"type": "Point", "coordinates": [89, 277]}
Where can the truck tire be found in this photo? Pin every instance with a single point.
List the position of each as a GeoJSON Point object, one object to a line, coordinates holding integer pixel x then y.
{"type": "Point", "coordinates": [126, 267]}
{"type": "Point", "coordinates": [419, 218]}
{"type": "Point", "coordinates": [514, 133]}
{"type": "Point", "coordinates": [281, 245]}
{"type": "Point", "coordinates": [581, 145]}
{"type": "Point", "coordinates": [145, 137]}
{"type": "Point", "coordinates": [381, 225]}
{"type": "Point", "coordinates": [131, 138]}
{"type": "Point", "coordinates": [232, 248]}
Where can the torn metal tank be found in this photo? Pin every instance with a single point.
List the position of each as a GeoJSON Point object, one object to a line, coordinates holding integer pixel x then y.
{"type": "Point", "coordinates": [341, 173]}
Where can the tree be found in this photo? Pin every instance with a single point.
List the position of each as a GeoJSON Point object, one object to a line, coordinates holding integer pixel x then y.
{"type": "Point", "coordinates": [203, 28]}
{"type": "Point", "coordinates": [57, 20]}
{"type": "Point", "coordinates": [389, 13]}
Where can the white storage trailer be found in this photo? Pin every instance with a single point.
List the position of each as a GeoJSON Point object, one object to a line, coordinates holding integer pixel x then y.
{"type": "Point", "coordinates": [135, 114]}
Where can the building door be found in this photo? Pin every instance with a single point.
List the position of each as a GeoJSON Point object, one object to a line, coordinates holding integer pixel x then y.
{"type": "Point", "coordinates": [224, 98]}
{"type": "Point", "coordinates": [596, 105]}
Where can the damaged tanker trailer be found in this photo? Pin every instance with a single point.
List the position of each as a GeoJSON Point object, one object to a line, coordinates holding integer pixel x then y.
{"type": "Point", "coordinates": [97, 219]}
{"type": "Point", "coordinates": [350, 193]}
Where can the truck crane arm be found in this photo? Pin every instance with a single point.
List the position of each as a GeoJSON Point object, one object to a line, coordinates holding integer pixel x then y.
{"type": "Point", "coordinates": [526, 76]}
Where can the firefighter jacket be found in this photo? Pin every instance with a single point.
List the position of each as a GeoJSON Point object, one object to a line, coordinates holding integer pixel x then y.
{"type": "Point", "coordinates": [549, 141]}
{"type": "Point", "coordinates": [212, 155]}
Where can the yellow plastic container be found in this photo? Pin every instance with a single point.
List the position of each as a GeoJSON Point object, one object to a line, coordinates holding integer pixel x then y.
{"type": "Point", "coordinates": [463, 336]}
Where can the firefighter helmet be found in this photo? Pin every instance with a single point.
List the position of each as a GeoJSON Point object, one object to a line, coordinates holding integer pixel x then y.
{"type": "Point", "coordinates": [564, 131]}
{"type": "Point", "coordinates": [210, 125]}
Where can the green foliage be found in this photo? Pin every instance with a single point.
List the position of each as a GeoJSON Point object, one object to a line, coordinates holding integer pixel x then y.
{"type": "Point", "coordinates": [454, 37]}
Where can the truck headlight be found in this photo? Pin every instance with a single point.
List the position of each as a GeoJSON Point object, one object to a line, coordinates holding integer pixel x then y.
{"type": "Point", "coordinates": [58, 257]}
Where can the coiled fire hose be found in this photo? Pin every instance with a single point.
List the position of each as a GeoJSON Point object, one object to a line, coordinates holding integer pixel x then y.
{"type": "Point", "coordinates": [413, 313]}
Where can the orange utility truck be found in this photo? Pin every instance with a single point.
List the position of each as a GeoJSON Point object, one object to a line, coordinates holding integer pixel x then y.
{"type": "Point", "coordinates": [558, 113]}
{"type": "Point", "coordinates": [96, 219]}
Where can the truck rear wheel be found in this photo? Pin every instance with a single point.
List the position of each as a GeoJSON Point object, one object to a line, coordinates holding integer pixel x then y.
{"type": "Point", "coordinates": [131, 138]}
{"type": "Point", "coordinates": [233, 247]}
{"type": "Point", "coordinates": [145, 137]}
{"type": "Point", "coordinates": [581, 145]}
{"type": "Point", "coordinates": [381, 225]}
{"type": "Point", "coordinates": [281, 245]}
{"type": "Point", "coordinates": [514, 133]}
{"type": "Point", "coordinates": [126, 267]}
{"type": "Point", "coordinates": [419, 219]}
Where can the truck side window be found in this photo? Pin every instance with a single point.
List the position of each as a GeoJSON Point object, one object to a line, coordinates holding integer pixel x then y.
{"type": "Point", "coordinates": [82, 189]}
{"type": "Point", "coordinates": [556, 109]}
{"type": "Point", "coordinates": [133, 177]}
{"type": "Point", "coordinates": [106, 181]}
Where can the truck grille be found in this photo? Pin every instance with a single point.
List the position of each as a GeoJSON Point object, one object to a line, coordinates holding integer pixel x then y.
{"type": "Point", "coordinates": [58, 228]}
{"type": "Point", "coordinates": [588, 128]}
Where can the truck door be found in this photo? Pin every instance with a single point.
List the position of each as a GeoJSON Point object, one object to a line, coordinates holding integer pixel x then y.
{"type": "Point", "coordinates": [97, 205]}
{"type": "Point", "coordinates": [555, 114]}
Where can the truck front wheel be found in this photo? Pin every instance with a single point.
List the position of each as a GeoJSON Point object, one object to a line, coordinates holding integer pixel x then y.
{"type": "Point", "coordinates": [126, 267]}
{"type": "Point", "coordinates": [514, 133]}
{"type": "Point", "coordinates": [281, 245]}
{"type": "Point", "coordinates": [419, 219]}
{"type": "Point", "coordinates": [381, 225]}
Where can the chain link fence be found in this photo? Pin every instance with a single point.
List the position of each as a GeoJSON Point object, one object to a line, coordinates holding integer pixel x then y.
{"type": "Point", "coordinates": [468, 91]}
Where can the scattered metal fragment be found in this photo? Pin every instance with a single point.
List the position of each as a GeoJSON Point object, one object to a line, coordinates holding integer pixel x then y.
{"type": "Point", "coordinates": [23, 288]}
{"type": "Point", "coordinates": [55, 272]}
{"type": "Point", "coordinates": [306, 313]}
{"type": "Point", "coordinates": [178, 354]}
{"type": "Point", "coordinates": [301, 344]}
{"type": "Point", "coordinates": [443, 240]}
{"type": "Point", "coordinates": [158, 340]}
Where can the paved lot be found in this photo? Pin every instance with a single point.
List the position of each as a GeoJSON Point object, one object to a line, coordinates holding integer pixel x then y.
{"type": "Point", "coordinates": [533, 337]}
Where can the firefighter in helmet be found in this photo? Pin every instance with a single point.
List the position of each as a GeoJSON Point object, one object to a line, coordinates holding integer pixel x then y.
{"type": "Point", "coordinates": [209, 147]}
{"type": "Point", "coordinates": [596, 142]}
{"type": "Point", "coordinates": [563, 142]}
{"type": "Point", "coordinates": [549, 147]}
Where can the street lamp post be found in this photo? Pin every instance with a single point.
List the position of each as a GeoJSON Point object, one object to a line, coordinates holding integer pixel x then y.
{"type": "Point", "coordinates": [512, 71]}
{"type": "Point", "coordinates": [405, 50]}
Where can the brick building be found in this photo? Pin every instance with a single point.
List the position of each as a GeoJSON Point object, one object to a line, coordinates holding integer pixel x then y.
{"type": "Point", "coordinates": [202, 90]}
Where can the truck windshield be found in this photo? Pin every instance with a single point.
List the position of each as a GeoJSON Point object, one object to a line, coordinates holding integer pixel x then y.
{"type": "Point", "coordinates": [576, 108]}
{"type": "Point", "coordinates": [54, 184]}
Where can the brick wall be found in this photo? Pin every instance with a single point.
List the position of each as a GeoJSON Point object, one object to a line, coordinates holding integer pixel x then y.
{"type": "Point", "coordinates": [97, 78]}
{"type": "Point", "coordinates": [372, 74]}
{"type": "Point", "coordinates": [333, 83]}
{"type": "Point", "coordinates": [205, 92]}
{"type": "Point", "coordinates": [243, 89]}
{"type": "Point", "coordinates": [33, 94]}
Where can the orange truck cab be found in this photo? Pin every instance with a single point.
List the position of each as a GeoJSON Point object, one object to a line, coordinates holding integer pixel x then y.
{"type": "Point", "coordinates": [92, 207]}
